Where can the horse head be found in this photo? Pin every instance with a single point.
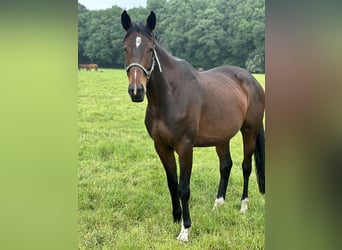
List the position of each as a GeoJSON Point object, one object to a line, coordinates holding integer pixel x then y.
{"type": "Point", "coordinates": [140, 55]}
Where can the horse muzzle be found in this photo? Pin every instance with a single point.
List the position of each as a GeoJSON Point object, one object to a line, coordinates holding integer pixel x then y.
{"type": "Point", "coordinates": [137, 92]}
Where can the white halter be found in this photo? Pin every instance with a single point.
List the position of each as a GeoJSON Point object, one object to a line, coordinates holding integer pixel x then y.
{"type": "Point", "coordinates": [147, 73]}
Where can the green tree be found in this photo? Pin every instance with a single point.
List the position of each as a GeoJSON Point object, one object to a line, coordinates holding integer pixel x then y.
{"type": "Point", "coordinates": [100, 35]}
{"type": "Point", "coordinates": [82, 35]}
{"type": "Point", "coordinates": [205, 33]}
{"type": "Point", "coordinates": [81, 8]}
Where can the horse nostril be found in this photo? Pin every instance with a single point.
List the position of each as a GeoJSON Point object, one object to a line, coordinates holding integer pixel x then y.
{"type": "Point", "coordinates": [137, 92]}
{"type": "Point", "coordinates": [140, 87]}
{"type": "Point", "coordinates": [130, 90]}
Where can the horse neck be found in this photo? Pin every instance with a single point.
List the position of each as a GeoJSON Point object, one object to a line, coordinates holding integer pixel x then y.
{"type": "Point", "coordinates": [160, 83]}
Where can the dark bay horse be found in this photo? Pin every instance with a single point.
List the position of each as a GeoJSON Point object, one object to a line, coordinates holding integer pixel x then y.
{"type": "Point", "coordinates": [187, 108]}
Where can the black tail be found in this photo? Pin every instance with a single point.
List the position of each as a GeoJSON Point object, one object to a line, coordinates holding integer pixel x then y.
{"type": "Point", "coordinates": [259, 155]}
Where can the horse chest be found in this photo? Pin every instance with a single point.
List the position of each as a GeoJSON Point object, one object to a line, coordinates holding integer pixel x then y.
{"type": "Point", "coordinates": [161, 132]}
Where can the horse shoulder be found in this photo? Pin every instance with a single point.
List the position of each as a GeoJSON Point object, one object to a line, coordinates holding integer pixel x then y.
{"type": "Point", "coordinates": [171, 126]}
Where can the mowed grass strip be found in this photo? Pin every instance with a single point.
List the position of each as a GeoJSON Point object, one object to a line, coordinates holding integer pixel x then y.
{"type": "Point", "coordinates": [124, 202]}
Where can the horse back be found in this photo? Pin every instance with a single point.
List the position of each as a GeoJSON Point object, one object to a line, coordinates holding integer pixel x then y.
{"type": "Point", "coordinates": [253, 91]}
{"type": "Point", "coordinates": [235, 82]}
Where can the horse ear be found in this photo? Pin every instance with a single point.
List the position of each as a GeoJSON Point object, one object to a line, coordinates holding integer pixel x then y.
{"type": "Point", "coordinates": [151, 21]}
{"type": "Point", "coordinates": [125, 20]}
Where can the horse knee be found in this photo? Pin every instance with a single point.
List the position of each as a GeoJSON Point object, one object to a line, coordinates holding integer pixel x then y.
{"type": "Point", "coordinates": [184, 193]}
{"type": "Point", "coordinates": [224, 172]}
{"type": "Point", "coordinates": [230, 164]}
{"type": "Point", "coordinates": [225, 169]}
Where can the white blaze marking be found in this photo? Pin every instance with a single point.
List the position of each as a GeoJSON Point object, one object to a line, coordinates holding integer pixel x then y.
{"type": "Point", "coordinates": [137, 41]}
{"type": "Point", "coordinates": [135, 82]}
{"type": "Point", "coordinates": [135, 75]}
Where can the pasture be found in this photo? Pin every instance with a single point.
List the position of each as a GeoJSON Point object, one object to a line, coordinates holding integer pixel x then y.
{"type": "Point", "coordinates": [124, 202]}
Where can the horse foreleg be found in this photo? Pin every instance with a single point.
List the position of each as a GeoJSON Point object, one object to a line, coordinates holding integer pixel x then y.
{"type": "Point", "coordinates": [167, 158]}
{"type": "Point", "coordinates": [184, 151]}
{"type": "Point", "coordinates": [225, 167]}
{"type": "Point", "coordinates": [184, 234]}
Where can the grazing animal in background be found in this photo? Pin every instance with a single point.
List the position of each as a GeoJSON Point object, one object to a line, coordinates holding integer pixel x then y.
{"type": "Point", "coordinates": [83, 66]}
{"type": "Point", "coordinates": [93, 66]}
{"type": "Point", "coordinates": [87, 67]}
{"type": "Point", "coordinates": [187, 108]}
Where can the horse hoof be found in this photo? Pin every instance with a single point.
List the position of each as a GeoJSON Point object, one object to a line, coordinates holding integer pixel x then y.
{"type": "Point", "coordinates": [244, 206]}
{"type": "Point", "coordinates": [184, 234]}
{"type": "Point", "coordinates": [218, 202]}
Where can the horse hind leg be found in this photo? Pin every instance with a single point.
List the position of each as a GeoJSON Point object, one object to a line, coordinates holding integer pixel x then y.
{"type": "Point", "coordinates": [249, 138]}
{"type": "Point", "coordinates": [225, 168]}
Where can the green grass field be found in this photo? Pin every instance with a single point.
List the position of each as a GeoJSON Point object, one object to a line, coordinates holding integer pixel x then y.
{"type": "Point", "coordinates": [124, 202]}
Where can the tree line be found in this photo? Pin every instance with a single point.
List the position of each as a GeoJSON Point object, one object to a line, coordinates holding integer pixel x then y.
{"type": "Point", "coordinates": [205, 33]}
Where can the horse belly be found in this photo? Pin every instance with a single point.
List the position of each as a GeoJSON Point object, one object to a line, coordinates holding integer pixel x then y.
{"type": "Point", "coordinates": [213, 131]}
{"type": "Point", "coordinates": [222, 116]}
{"type": "Point", "coordinates": [212, 138]}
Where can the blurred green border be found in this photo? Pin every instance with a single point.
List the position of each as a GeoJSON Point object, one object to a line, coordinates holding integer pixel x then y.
{"type": "Point", "coordinates": [38, 115]}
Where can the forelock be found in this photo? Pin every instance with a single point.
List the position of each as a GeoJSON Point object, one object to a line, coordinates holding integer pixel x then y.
{"type": "Point", "coordinates": [140, 28]}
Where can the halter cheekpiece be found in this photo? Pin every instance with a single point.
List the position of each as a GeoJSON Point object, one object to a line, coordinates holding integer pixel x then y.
{"type": "Point", "coordinates": [147, 72]}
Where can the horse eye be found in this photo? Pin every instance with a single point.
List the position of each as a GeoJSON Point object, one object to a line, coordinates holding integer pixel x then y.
{"type": "Point", "coordinates": [125, 49]}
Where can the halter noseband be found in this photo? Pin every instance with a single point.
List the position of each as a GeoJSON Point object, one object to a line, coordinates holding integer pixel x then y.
{"type": "Point", "coordinates": [147, 72]}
